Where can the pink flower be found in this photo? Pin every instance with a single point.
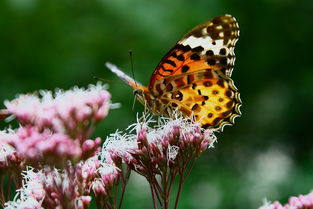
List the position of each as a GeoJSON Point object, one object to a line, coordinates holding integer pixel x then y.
{"type": "Point", "coordinates": [110, 180]}
{"type": "Point", "coordinates": [159, 153]}
{"type": "Point", "coordinates": [31, 194]}
{"type": "Point", "coordinates": [56, 126]}
{"type": "Point", "coordinates": [88, 169]}
{"type": "Point", "coordinates": [32, 184]}
{"type": "Point", "coordinates": [72, 112]}
{"type": "Point", "coordinates": [53, 188]}
{"type": "Point", "coordinates": [46, 146]}
{"type": "Point", "coordinates": [108, 176]}
{"type": "Point", "coordinates": [300, 202]}
{"type": "Point", "coordinates": [98, 188]}
{"type": "Point", "coordinates": [168, 144]}
{"type": "Point", "coordinates": [9, 158]}
{"type": "Point", "coordinates": [64, 189]}
{"type": "Point", "coordinates": [25, 203]}
{"type": "Point", "coordinates": [90, 146]}
{"type": "Point", "coordinates": [118, 147]}
{"type": "Point", "coordinates": [82, 202]}
{"type": "Point", "coordinates": [55, 131]}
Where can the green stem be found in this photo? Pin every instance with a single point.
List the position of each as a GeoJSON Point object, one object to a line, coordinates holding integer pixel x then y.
{"type": "Point", "coordinates": [181, 181]}
{"type": "Point", "coordinates": [153, 197]}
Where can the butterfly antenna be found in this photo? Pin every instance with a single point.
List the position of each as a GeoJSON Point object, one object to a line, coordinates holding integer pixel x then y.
{"type": "Point", "coordinates": [130, 52]}
{"type": "Point", "coordinates": [107, 80]}
{"type": "Point", "coordinates": [132, 64]}
{"type": "Point", "coordinates": [101, 79]}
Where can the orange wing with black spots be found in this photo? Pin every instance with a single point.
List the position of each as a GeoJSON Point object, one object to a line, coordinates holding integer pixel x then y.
{"type": "Point", "coordinates": [210, 44]}
{"type": "Point", "coordinates": [194, 76]}
{"type": "Point", "coordinates": [206, 96]}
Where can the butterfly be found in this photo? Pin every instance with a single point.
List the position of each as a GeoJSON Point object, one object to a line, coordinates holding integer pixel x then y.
{"type": "Point", "coordinates": [194, 77]}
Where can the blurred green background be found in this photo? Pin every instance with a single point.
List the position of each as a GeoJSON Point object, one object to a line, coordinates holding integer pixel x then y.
{"type": "Point", "coordinates": [268, 152]}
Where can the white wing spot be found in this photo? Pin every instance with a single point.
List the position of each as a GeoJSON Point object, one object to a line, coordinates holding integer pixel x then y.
{"type": "Point", "coordinates": [204, 32]}
{"type": "Point", "coordinates": [219, 27]}
{"type": "Point", "coordinates": [205, 42]}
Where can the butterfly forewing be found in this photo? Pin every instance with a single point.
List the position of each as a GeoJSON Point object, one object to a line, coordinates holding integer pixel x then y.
{"type": "Point", "coordinates": [194, 76]}
{"type": "Point", "coordinates": [212, 42]}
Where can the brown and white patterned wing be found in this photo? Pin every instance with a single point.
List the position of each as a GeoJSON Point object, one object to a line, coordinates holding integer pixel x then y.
{"type": "Point", "coordinates": [205, 96]}
{"type": "Point", "coordinates": [200, 66]}
{"type": "Point", "coordinates": [212, 43]}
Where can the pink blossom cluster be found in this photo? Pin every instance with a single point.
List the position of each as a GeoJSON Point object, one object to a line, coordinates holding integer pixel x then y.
{"type": "Point", "coordinates": [11, 166]}
{"type": "Point", "coordinates": [68, 167]}
{"type": "Point", "coordinates": [55, 130]}
{"type": "Point", "coordinates": [9, 158]}
{"type": "Point", "coordinates": [300, 202]}
{"type": "Point", "coordinates": [31, 192]}
{"type": "Point", "coordinates": [57, 127]}
{"type": "Point", "coordinates": [64, 189]}
{"type": "Point", "coordinates": [73, 112]}
{"type": "Point", "coordinates": [69, 188]}
{"type": "Point", "coordinates": [97, 176]}
{"type": "Point", "coordinates": [163, 152]}
{"type": "Point", "coordinates": [169, 145]}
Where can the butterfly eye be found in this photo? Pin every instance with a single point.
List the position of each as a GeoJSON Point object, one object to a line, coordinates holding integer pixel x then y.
{"type": "Point", "coordinates": [137, 92]}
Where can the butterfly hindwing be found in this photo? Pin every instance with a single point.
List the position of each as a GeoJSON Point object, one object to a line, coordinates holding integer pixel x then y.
{"type": "Point", "coordinates": [205, 95]}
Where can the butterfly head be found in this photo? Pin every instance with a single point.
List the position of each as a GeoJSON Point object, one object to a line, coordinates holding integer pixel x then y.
{"type": "Point", "coordinates": [144, 96]}
{"type": "Point", "coordinates": [140, 95]}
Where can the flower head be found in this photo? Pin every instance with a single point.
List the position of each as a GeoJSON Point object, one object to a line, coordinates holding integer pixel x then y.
{"type": "Point", "coordinates": [300, 202]}
{"type": "Point", "coordinates": [156, 147]}
{"type": "Point", "coordinates": [31, 194]}
{"type": "Point", "coordinates": [71, 112]}
{"type": "Point", "coordinates": [56, 126]}
{"type": "Point", "coordinates": [167, 150]}
{"type": "Point", "coordinates": [55, 132]}
{"type": "Point", "coordinates": [52, 148]}
{"type": "Point", "coordinates": [9, 158]}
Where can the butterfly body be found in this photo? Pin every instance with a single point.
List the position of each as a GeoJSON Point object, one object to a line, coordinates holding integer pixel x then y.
{"type": "Point", "coordinates": [194, 77]}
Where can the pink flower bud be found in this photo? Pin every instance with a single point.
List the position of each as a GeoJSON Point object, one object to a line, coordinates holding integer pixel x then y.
{"type": "Point", "coordinates": [204, 145]}
{"type": "Point", "coordinates": [90, 146]}
{"type": "Point", "coordinates": [83, 202]}
{"type": "Point", "coordinates": [98, 188]}
{"type": "Point", "coordinates": [54, 195]}
{"type": "Point", "coordinates": [141, 139]}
